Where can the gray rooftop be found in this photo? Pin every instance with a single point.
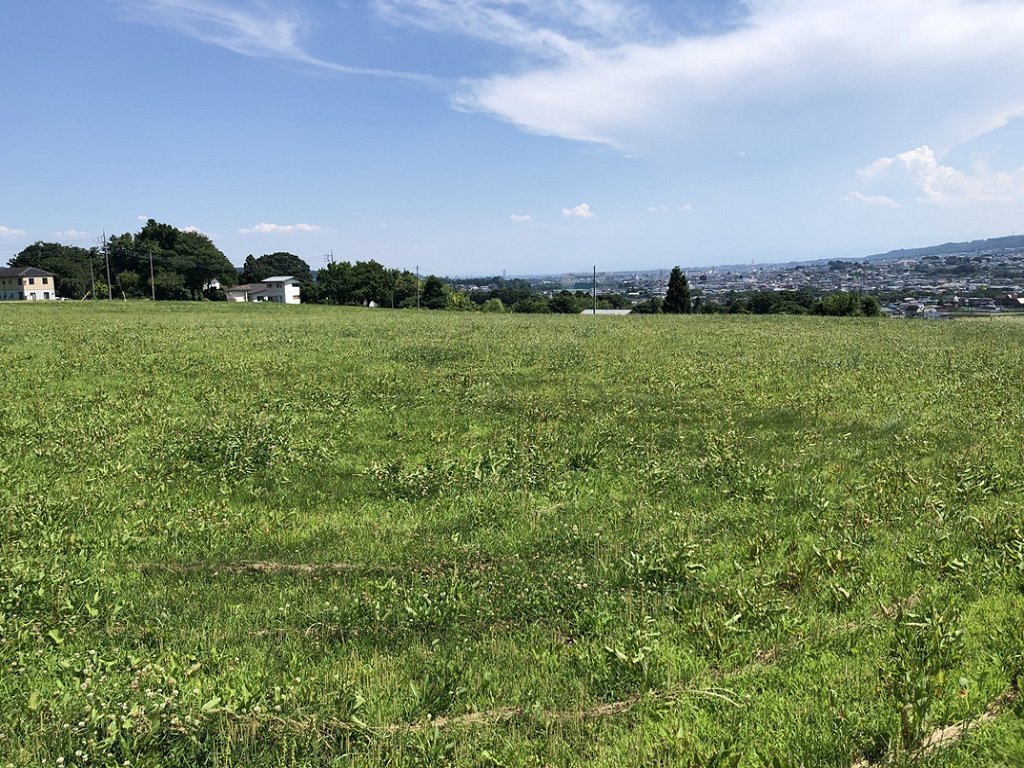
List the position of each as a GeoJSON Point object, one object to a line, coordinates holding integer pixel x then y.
{"type": "Point", "coordinates": [24, 272]}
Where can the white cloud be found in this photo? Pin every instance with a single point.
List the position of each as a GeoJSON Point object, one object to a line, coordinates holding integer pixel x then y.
{"type": "Point", "coordinates": [72, 233]}
{"type": "Point", "coordinates": [918, 175]}
{"type": "Point", "coordinates": [258, 28]}
{"type": "Point", "coordinates": [281, 229]}
{"type": "Point", "coordinates": [944, 68]}
{"type": "Point", "coordinates": [629, 74]}
{"type": "Point", "coordinates": [545, 28]}
{"type": "Point", "coordinates": [143, 218]}
{"type": "Point", "coordinates": [582, 211]}
{"type": "Point", "coordinates": [195, 229]}
{"type": "Point", "coordinates": [527, 217]}
{"type": "Point", "coordinates": [662, 208]}
{"type": "Point", "coordinates": [5, 232]}
{"type": "Point", "coordinates": [857, 197]}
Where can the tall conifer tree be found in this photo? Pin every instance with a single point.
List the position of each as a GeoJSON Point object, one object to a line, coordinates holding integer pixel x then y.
{"type": "Point", "coordinates": [677, 299]}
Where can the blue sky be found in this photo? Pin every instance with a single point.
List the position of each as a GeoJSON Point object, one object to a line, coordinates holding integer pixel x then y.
{"type": "Point", "coordinates": [475, 136]}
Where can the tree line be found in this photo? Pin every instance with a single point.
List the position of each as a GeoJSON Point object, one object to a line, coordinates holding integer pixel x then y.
{"type": "Point", "coordinates": [159, 261]}
{"type": "Point", "coordinates": [170, 264]}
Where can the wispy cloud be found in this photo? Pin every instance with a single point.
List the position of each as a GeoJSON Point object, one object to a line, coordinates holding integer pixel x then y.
{"type": "Point", "coordinates": [832, 63]}
{"type": "Point", "coordinates": [5, 232]}
{"type": "Point", "coordinates": [261, 28]}
{"type": "Point", "coordinates": [919, 176]}
{"type": "Point", "coordinates": [73, 234]}
{"type": "Point", "coordinates": [882, 200]}
{"type": "Point", "coordinates": [550, 29]}
{"type": "Point", "coordinates": [194, 229]}
{"type": "Point", "coordinates": [622, 74]}
{"type": "Point", "coordinates": [581, 211]}
{"type": "Point", "coordinates": [663, 208]}
{"type": "Point", "coordinates": [281, 229]}
{"type": "Point", "coordinates": [527, 217]}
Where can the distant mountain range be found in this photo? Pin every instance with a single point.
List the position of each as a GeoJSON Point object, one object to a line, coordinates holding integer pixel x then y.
{"type": "Point", "coordinates": [992, 244]}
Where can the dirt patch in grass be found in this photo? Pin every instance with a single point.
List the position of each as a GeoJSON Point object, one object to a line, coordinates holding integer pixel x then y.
{"type": "Point", "coordinates": [264, 567]}
{"type": "Point", "coordinates": [949, 736]}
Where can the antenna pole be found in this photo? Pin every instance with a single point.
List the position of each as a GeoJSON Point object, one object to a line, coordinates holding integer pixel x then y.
{"type": "Point", "coordinates": [92, 277]}
{"type": "Point", "coordinates": [106, 257]}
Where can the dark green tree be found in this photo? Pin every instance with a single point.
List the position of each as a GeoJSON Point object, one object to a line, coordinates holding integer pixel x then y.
{"type": "Point", "coordinates": [566, 303]}
{"type": "Point", "coordinates": [508, 296]}
{"type": "Point", "coordinates": [613, 301]}
{"type": "Point", "coordinates": [870, 307]}
{"type": "Point", "coordinates": [340, 282]}
{"type": "Point", "coordinates": [69, 264]}
{"type": "Point", "coordinates": [653, 306]}
{"type": "Point", "coordinates": [677, 298]}
{"type": "Point", "coordinates": [766, 303]}
{"type": "Point", "coordinates": [192, 255]}
{"type": "Point", "coordinates": [183, 263]}
{"type": "Point", "coordinates": [534, 304]}
{"type": "Point", "coordinates": [406, 288]}
{"type": "Point", "coordinates": [372, 283]}
{"type": "Point", "coordinates": [311, 293]}
{"type": "Point", "coordinates": [841, 304]}
{"type": "Point", "coordinates": [436, 295]}
{"type": "Point", "coordinates": [170, 286]}
{"type": "Point", "coordinates": [336, 283]}
{"type": "Point", "coordinates": [275, 264]}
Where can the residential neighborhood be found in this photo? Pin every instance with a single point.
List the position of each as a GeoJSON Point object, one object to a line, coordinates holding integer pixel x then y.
{"type": "Point", "coordinates": [978, 279]}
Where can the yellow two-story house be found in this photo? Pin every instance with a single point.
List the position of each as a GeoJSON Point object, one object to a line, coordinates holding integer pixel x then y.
{"type": "Point", "coordinates": [27, 284]}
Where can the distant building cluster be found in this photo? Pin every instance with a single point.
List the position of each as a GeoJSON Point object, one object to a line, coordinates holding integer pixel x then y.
{"type": "Point", "coordinates": [976, 280]}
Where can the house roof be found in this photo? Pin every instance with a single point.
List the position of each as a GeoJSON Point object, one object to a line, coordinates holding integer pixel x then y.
{"type": "Point", "coordinates": [247, 288]}
{"type": "Point", "coordinates": [24, 272]}
{"type": "Point", "coordinates": [278, 279]}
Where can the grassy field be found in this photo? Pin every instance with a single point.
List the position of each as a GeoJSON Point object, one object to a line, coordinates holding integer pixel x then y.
{"type": "Point", "coordinates": [263, 536]}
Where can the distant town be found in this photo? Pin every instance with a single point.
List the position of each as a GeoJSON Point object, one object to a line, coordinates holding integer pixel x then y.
{"type": "Point", "coordinates": [980, 276]}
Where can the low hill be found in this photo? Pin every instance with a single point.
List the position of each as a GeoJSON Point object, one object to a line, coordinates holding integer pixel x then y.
{"type": "Point", "coordinates": [991, 244]}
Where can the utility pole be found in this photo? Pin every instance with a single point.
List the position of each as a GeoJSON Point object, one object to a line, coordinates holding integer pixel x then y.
{"type": "Point", "coordinates": [595, 289]}
{"type": "Point", "coordinates": [92, 277]}
{"type": "Point", "coordinates": [152, 281]}
{"type": "Point", "coordinates": [106, 257]}
{"type": "Point", "coordinates": [417, 286]}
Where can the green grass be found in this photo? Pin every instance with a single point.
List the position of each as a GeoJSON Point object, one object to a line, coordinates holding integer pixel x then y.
{"type": "Point", "coordinates": [254, 535]}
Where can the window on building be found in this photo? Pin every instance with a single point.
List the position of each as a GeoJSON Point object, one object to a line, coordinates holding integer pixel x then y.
{"type": "Point", "coordinates": [31, 281]}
